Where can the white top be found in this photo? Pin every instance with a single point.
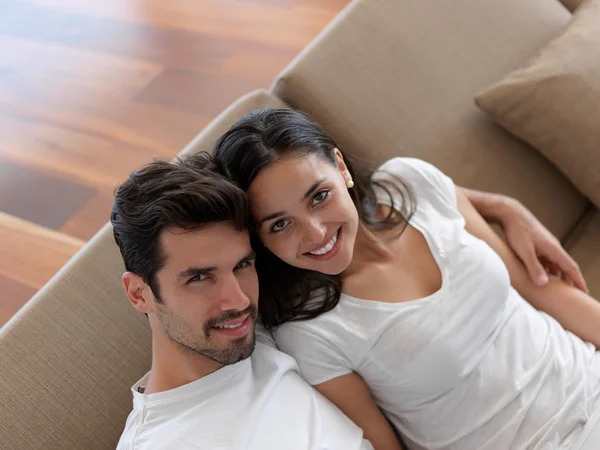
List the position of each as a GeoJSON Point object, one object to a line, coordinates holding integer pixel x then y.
{"type": "Point", "coordinates": [473, 366]}
{"type": "Point", "coordinates": [260, 403]}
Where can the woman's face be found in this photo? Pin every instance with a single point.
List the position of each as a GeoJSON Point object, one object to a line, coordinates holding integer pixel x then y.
{"type": "Point", "coordinates": [304, 213]}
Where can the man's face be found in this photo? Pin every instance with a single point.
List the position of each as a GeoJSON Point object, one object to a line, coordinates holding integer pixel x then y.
{"type": "Point", "coordinates": [209, 292]}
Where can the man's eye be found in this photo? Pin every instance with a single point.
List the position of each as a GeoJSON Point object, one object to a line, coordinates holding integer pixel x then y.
{"type": "Point", "coordinates": [199, 277]}
{"type": "Point", "coordinates": [320, 197]}
{"type": "Point", "coordinates": [245, 264]}
{"type": "Point", "coordinates": [279, 225]}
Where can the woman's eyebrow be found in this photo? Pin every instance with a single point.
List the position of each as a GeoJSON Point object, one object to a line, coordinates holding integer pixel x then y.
{"type": "Point", "coordinates": [313, 188]}
{"type": "Point", "coordinates": [271, 217]}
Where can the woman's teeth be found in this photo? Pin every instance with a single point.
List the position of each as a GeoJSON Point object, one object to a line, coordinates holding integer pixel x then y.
{"type": "Point", "coordinates": [327, 248]}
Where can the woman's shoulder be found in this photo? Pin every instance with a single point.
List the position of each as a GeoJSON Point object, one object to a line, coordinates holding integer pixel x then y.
{"type": "Point", "coordinates": [315, 328]}
{"type": "Point", "coordinates": [316, 348]}
{"type": "Point", "coordinates": [326, 330]}
{"type": "Point", "coordinates": [425, 179]}
{"type": "Point", "coordinates": [409, 168]}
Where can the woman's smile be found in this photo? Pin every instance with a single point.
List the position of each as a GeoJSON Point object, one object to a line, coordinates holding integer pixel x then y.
{"type": "Point", "coordinates": [328, 250]}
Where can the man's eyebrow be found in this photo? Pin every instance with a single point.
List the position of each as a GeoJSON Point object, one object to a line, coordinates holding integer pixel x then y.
{"type": "Point", "coordinates": [193, 271]}
{"type": "Point", "coordinates": [308, 193]}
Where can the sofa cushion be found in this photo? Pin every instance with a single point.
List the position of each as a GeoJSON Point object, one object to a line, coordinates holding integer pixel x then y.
{"type": "Point", "coordinates": [397, 77]}
{"type": "Point", "coordinates": [70, 356]}
{"type": "Point", "coordinates": [584, 246]}
{"type": "Point", "coordinates": [553, 103]}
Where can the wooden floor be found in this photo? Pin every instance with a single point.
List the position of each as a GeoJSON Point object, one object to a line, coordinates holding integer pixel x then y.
{"type": "Point", "coordinates": [90, 90]}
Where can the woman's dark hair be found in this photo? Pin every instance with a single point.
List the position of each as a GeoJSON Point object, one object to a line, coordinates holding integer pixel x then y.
{"type": "Point", "coordinates": [185, 193]}
{"type": "Point", "coordinates": [289, 293]}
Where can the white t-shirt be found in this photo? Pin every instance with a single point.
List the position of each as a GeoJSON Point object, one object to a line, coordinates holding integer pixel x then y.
{"type": "Point", "coordinates": [474, 365]}
{"type": "Point", "coordinates": [260, 403]}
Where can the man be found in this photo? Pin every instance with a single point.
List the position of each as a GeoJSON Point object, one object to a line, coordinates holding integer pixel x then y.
{"type": "Point", "coordinates": [214, 383]}
{"type": "Point", "coordinates": [182, 232]}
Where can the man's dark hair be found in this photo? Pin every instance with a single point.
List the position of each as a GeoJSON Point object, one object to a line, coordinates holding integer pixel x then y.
{"type": "Point", "coordinates": [184, 193]}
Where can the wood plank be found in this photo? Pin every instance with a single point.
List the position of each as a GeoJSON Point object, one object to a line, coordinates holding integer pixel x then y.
{"type": "Point", "coordinates": [73, 154]}
{"type": "Point", "coordinates": [38, 197]}
{"type": "Point", "coordinates": [175, 48]}
{"type": "Point", "coordinates": [89, 219]}
{"type": "Point", "coordinates": [32, 254]}
{"type": "Point", "coordinates": [14, 296]}
{"type": "Point", "coordinates": [109, 116]}
{"type": "Point", "coordinates": [290, 22]}
{"type": "Point", "coordinates": [63, 67]}
{"type": "Point", "coordinates": [197, 92]}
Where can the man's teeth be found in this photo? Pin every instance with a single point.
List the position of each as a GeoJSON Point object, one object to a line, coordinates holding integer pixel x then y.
{"type": "Point", "coordinates": [230, 326]}
{"type": "Point", "coordinates": [327, 248]}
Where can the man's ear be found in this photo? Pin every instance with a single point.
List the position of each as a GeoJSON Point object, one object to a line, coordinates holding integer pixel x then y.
{"type": "Point", "coordinates": [138, 292]}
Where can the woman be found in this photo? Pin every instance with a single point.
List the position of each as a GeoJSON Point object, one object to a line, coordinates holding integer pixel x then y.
{"type": "Point", "coordinates": [394, 295]}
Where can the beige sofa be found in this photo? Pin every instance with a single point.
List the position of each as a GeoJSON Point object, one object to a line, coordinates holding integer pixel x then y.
{"type": "Point", "coordinates": [385, 78]}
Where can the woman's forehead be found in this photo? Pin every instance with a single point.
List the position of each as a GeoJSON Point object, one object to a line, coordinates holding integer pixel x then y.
{"type": "Point", "coordinates": [288, 178]}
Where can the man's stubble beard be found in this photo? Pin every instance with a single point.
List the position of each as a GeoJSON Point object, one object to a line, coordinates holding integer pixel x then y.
{"type": "Point", "coordinates": [189, 341]}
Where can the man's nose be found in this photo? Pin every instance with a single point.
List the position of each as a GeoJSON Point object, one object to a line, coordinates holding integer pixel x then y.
{"type": "Point", "coordinates": [232, 296]}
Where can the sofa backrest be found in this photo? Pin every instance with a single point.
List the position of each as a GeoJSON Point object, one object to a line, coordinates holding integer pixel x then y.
{"type": "Point", "coordinates": [398, 77]}
{"type": "Point", "coordinates": [70, 356]}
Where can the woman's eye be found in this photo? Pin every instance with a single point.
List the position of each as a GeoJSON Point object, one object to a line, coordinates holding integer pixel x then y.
{"type": "Point", "coordinates": [320, 197]}
{"type": "Point", "coordinates": [279, 225]}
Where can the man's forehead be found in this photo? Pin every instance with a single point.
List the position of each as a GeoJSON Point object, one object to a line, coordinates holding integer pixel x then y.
{"type": "Point", "coordinates": [209, 245]}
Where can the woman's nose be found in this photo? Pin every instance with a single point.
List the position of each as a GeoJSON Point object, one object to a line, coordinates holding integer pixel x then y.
{"type": "Point", "coordinates": [315, 231]}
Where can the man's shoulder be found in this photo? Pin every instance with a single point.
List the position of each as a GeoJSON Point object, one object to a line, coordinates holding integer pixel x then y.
{"type": "Point", "coordinates": [127, 441]}
{"type": "Point", "coordinates": [139, 436]}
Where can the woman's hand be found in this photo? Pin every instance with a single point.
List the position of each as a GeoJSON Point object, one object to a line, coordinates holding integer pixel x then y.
{"type": "Point", "coordinates": [539, 250]}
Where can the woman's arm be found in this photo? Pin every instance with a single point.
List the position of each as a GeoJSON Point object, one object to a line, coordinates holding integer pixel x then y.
{"type": "Point", "coordinates": [535, 246]}
{"type": "Point", "coordinates": [351, 395]}
{"type": "Point", "coordinates": [572, 308]}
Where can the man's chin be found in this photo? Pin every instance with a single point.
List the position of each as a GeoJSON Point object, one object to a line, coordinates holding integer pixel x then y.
{"type": "Point", "coordinates": [238, 349]}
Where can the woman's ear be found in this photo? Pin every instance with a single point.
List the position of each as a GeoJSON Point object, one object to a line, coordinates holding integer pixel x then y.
{"type": "Point", "coordinates": [341, 164]}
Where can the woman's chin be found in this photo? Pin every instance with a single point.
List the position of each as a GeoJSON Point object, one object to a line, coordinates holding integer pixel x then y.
{"type": "Point", "coordinates": [334, 271]}
{"type": "Point", "coordinates": [334, 266]}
